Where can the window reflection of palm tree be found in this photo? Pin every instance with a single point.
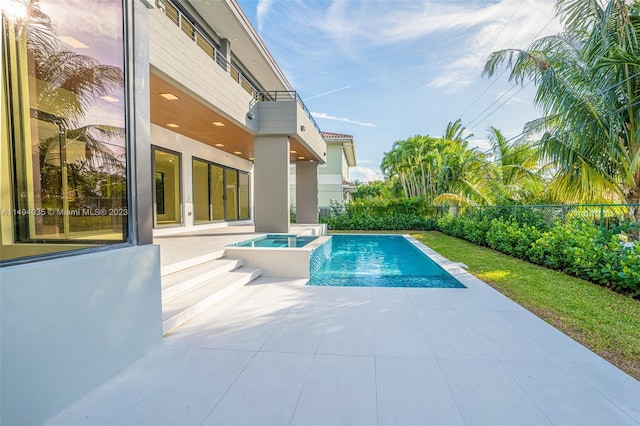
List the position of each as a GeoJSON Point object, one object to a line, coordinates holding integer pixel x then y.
{"type": "Point", "coordinates": [67, 84]}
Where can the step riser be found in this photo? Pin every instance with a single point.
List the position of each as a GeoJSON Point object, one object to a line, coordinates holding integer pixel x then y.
{"type": "Point", "coordinates": [179, 266]}
{"type": "Point", "coordinates": [177, 320]}
{"type": "Point", "coordinates": [188, 284]}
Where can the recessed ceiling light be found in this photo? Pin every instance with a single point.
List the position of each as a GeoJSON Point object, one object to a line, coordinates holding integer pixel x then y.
{"type": "Point", "coordinates": [250, 158]}
{"type": "Point", "coordinates": [173, 125]}
{"type": "Point", "coordinates": [169, 96]}
{"type": "Point", "coordinates": [311, 161]}
{"type": "Point", "coordinates": [73, 42]}
{"type": "Point", "coordinates": [293, 152]}
{"type": "Point", "coordinates": [218, 123]}
{"type": "Point", "coordinates": [237, 152]}
{"type": "Point", "coordinates": [300, 158]}
{"type": "Point", "coordinates": [109, 98]}
{"type": "Point", "coordinates": [219, 144]}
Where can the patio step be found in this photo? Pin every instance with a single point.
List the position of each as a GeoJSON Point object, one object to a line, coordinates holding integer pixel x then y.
{"type": "Point", "coordinates": [179, 266]}
{"type": "Point", "coordinates": [182, 307]}
{"type": "Point", "coordinates": [185, 279]}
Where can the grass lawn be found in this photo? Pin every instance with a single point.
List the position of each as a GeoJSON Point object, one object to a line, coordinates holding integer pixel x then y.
{"type": "Point", "coordinates": [605, 322]}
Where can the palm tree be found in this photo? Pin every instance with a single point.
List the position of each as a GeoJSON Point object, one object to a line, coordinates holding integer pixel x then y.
{"type": "Point", "coordinates": [516, 175]}
{"type": "Point", "coordinates": [430, 167]}
{"type": "Point", "coordinates": [588, 90]}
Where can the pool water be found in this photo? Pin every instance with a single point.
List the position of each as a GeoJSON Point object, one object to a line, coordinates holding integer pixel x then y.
{"type": "Point", "coordinates": [380, 261]}
{"type": "Point", "coordinates": [277, 240]}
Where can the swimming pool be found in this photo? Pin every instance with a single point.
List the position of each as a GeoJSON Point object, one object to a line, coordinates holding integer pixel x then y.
{"type": "Point", "coordinates": [276, 240]}
{"type": "Point", "coordinates": [379, 261]}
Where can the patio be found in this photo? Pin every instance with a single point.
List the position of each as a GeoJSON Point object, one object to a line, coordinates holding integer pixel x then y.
{"type": "Point", "coordinates": [278, 352]}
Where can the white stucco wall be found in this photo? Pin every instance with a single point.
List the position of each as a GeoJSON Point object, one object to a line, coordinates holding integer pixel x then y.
{"type": "Point", "coordinates": [70, 324]}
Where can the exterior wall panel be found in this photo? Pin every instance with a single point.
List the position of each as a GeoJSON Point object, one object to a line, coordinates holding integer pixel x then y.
{"type": "Point", "coordinates": [180, 59]}
{"type": "Point", "coordinates": [70, 324]}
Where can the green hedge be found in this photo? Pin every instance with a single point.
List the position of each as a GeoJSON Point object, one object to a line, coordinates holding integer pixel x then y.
{"type": "Point", "coordinates": [578, 248]}
{"type": "Point", "coordinates": [390, 222]}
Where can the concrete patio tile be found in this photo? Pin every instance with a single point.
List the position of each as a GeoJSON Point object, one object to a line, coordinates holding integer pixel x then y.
{"type": "Point", "coordinates": [503, 339]}
{"type": "Point", "coordinates": [391, 297]}
{"type": "Point", "coordinates": [450, 337]}
{"type": "Point", "coordinates": [268, 290]}
{"type": "Point", "coordinates": [484, 300]}
{"type": "Point", "coordinates": [244, 327]}
{"type": "Point", "coordinates": [565, 398]}
{"type": "Point", "coordinates": [340, 390]}
{"type": "Point", "coordinates": [553, 340]}
{"type": "Point", "coordinates": [299, 331]}
{"type": "Point", "coordinates": [348, 331]}
{"type": "Point", "coordinates": [610, 381]}
{"type": "Point", "coordinates": [486, 394]}
{"type": "Point", "coordinates": [339, 296]}
{"type": "Point", "coordinates": [412, 391]}
{"type": "Point", "coordinates": [112, 400]}
{"type": "Point", "coordinates": [189, 394]}
{"type": "Point", "coordinates": [431, 298]}
{"type": "Point", "coordinates": [397, 332]}
{"type": "Point", "coordinates": [266, 393]}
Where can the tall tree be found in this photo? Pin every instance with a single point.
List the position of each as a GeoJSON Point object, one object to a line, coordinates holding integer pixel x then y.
{"type": "Point", "coordinates": [517, 176]}
{"type": "Point", "coordinates": [588, 88]}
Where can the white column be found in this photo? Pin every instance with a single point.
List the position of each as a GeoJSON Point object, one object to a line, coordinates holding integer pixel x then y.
{"type": "Point", "coordinates": [306, 192]}
{"type": "Point", "coordinates": [271, 183]}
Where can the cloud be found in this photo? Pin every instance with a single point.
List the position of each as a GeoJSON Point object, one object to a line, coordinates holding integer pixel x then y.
{"type": "Point", "coordinates": [506, 24]}
{"type": "Point", "coordinates": [365, 174]}
{"type": "Point", "coordinates": [450, 82]}
{"type": "Point", "coordinates": [261, 12]}
{"type": "Point", "coordinates": [357, 26]}
{"type": "Point", "coordinates": [344, 119]}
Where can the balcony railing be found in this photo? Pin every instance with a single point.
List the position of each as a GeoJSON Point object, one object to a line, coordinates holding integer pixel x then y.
{"type": "Point", "coordinates": [285, 95]}
{"type": "Point", "coordinates": [198, 36]}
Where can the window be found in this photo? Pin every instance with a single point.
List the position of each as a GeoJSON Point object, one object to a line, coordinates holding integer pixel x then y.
{"type": "Point", "coordinates": [63, 170]}
{"type": "Point", "coordinates": [243, 196]}
{"type": "Point", "coordinates": [201, 203]}
{"type": "Point", "coordinates": [231, 193]}
{"type": "Point", "coordinates": [217, 192]}
{"type": "Point", "coordinates": [166, 165]}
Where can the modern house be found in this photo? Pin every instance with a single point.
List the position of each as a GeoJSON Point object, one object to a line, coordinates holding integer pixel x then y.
{"type": "Point", "coordinates": [334, 185]}
{"type": "Point", "coordinates": [122, 120]}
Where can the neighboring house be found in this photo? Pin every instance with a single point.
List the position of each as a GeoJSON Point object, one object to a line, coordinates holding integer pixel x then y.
{"type": "Point", "coordinates": [334, 186]}
{"type": "Point", "coordinates": [122, 120]}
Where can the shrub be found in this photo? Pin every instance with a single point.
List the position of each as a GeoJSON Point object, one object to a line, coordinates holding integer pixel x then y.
{"type": "Point", "coordinates": [391, 222]}
{"type": "Point", "coordinates": [511, 238]}
{"type": "Point", "coordinates": [577, 247]}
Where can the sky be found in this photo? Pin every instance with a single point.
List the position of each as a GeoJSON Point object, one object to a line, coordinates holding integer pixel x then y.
{"type": "Point", "coordinates": [387, 70]}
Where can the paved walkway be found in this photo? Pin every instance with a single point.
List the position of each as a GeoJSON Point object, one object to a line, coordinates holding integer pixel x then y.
{"type": "Point", "coordinates": [278, 352]}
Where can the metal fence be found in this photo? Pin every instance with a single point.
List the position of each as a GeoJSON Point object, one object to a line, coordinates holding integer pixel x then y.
{"type": "Point", "coordinates": [604, 215]}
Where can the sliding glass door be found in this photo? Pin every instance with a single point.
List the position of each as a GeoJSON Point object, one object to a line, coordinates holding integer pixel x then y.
{"type": "Point", "coordinates": [219, 193]}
